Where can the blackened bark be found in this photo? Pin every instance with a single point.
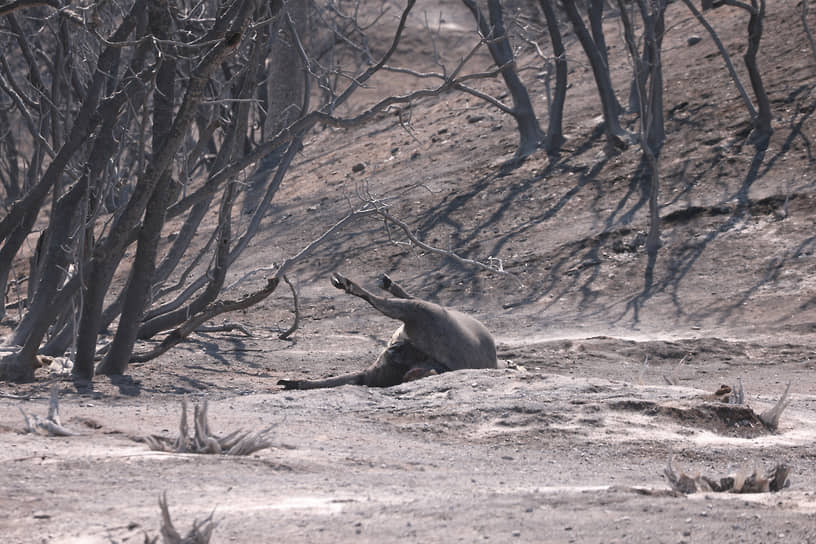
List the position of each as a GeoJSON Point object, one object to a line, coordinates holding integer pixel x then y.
{"type": "Point", "coordinates": [530, 135]}
{"type": "Point", "coordinates": [16, 225]}
{"type": "Point", "coordinates": [595, 9]}
{"type": "Point", "coordinates": [137, 292]}
{"type": "Point", "coordinates": [179, 247]}
{"type": "Point", "coordinates": [84, 122]}
{"type": "Point", "coordinates": [40, 314]}
{"type": "Point", "coordinates": [603, 81]}
{"type": "Point", "coordinates": [231, 149]}
{"type": "Point", "coordinates": [216, 274]}
{"type": "Point", "coordinates": [652, 133]}
{"type": "Point", "coordinates": [555, 132]}
{"type": "Point", "coordinates": [57, 253]}
{"type": "Point", "coordinates": [656, 134]}
{"type": "Point", "coordinates": [107, 256]}
{"type": "Point", "coordinates": [31, 330]}
{"type": "Point", "coordinates": [762, 124]}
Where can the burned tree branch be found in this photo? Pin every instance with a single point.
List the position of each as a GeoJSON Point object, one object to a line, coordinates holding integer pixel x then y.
{"type": "Point", "coordinates": [216, 308]}
{"type": "Point", "coordinates": [724, 54]}
{"type": "Point", "coordinates": [295, 303]}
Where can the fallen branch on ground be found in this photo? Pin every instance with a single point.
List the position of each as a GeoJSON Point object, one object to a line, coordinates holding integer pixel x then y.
{"type": "Point", "coordinates": [4, 395]}
{"type": "Point", "coordinates": [225, 327]}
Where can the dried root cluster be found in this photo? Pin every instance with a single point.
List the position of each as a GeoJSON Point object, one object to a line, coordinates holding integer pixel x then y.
{"type": "Point", "coordinates": [204, 441]}
{"type": "Point", "coordinates": [744, 481]}
{"type": "Point", "coordinates": [200, 533]}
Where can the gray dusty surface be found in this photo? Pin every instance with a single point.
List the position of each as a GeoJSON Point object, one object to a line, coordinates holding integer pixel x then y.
{"type": "Point", "coordinates": [501, 455]}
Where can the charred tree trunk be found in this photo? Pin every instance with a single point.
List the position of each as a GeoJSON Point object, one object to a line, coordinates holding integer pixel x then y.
{"type": "Point", "coordinates": [217, 274]}
{"type": "Point", "coordinates": [652, 132]}
{"type": "Point", "coordinates": [762, 124]}
{"type": "Point", "coordinates": [52, 260]}
{"type": "Point", "coordinates": [724, 53]}
{"type": "Point", "coordinates": [806, 26]}
{"type": "Point", "coordinates": [595, 9]}
{"type": "Point", "coordinates": [57, 254]}
{"type": "Point", "coordinates": [108, 255]}
{"type": "Point", "coordinates": [283, 96]}
{"type": "Point", "coordinates": [530, 135]}
{"type": "Point", "coordinates": [84, 122]}
{"type": "Point", "coordinates": [31, 330]}
{"type": "Point", "coordinates": [609, 102]}
{"type": "Point", "coordinates": [555, 133]}
{"type": "Point", "coordinates": [762, 117]}
{"type": "Point", "coordinates": [141, 277]}
{"type": "Point", "coordinates": [232, 147]}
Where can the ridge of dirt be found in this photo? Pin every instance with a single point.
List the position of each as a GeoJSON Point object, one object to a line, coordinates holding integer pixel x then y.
{"type": "Point", "coordinates": [457, 442]}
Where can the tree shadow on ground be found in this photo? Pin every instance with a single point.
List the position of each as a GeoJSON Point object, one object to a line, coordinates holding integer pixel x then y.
{"type": "Point", "coordinates": [680, 262]}
{"type": "Point", "coordinates": [127, 385]}
{"type": "Point", "coordinates": [575, 267]}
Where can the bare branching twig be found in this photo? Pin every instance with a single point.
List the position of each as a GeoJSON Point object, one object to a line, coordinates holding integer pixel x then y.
{"type": "Point", "coordinates": [492, 266]}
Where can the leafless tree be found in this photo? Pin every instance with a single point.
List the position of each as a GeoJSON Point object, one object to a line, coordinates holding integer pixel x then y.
{"type": "Point", "coordinates": [498, 43]}
{"type": "Point", "coordinates": [177, 108]}
{"type": "Point", "coordinates": [615, 134]}
{"type": "Point", "coordinates": [724, 53]}
{"type": "Point", "coordinates": [172, 100]}
{"type": "Point", "coordinates": [761, 117]}
{"type": "Point", "coordinates": [762, 123]}
{"type": "Point", "coordinates": [649, 78]}
{"type": "Point", "coordinates": [555, 132]}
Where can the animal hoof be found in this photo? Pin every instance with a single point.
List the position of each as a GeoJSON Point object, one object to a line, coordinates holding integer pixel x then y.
{"type": "Point", "coordinates": [340, 282]}
{"type": "Point", "coordinates": [289, 384]}
{"type": "Point", "coordinates": [384, 282]}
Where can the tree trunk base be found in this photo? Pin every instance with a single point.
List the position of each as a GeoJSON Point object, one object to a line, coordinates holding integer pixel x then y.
{"type": "Point", "coordinates": [13, 368]}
